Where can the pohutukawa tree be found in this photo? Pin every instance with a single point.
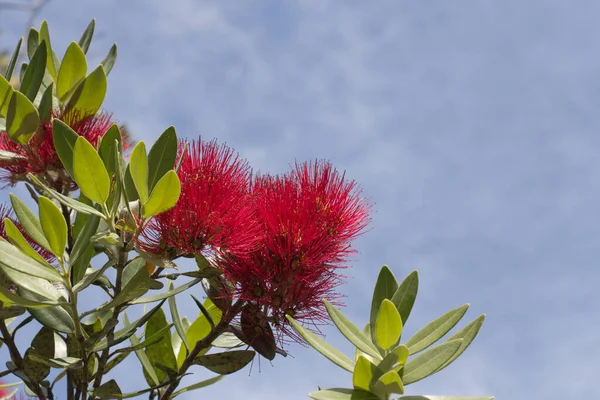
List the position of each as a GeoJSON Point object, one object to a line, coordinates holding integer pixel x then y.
{"type": "Point", "coordinates": [107, 214]}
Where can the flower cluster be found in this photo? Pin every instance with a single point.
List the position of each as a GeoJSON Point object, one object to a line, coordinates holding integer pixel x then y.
{"type": "Point", "coordinates": [39, 155]}
{"type": "Point", "coordinates": [279, 240]}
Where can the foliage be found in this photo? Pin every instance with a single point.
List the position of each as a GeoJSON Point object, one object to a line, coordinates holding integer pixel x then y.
{"type": "Point", "coordinates": [115, 216]}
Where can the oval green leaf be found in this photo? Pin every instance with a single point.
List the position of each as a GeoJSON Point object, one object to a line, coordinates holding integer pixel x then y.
{"type": "Point", "coordinates": [53, 225]}
{"type": "Point", "coordinates": [164, 196]}
{"type": "Point", "coordinates": [406, 294]}
{"type": "Point", "coordinates": [385, 287]}
{"type": "Point", "coordinates": [18, 240]}
{"type": "Point", "coordinates": [29, 222]}
{"type": "Point", "coordinates": [22, 119]}
{"type": "Point", "coordinates": [30, 85]}
{"type": "Point", "coordinates": [64, 142]}
{"type": "Point", "coordinates": [89, 95]}
{"type": "Point", "coordinates": [343, 394]}
{"type": "Point", "coordinates": [389, 383]}
{"type": "Point", "coordinates": [364, 370]}
{"type": "Point", "coordinates": [429, 362]}
{"type": "Point", "coordinates": [388, 326]}
{"type": "Point", "coordinates": [351, 331]}
{"type": "Point", "coordinates": [162, 155]}
{"type": "Point", "coordinates": [89, 171]}
{"type": "Point", "coordinates": [467, 334]}
{"type": "Point", "coordinates": [87, 35]}
{"type": "Point", "coordinates": [138, 164]}
{"type": "Point", "coordinates": [226, 363]}
{"type": "Point", "coordinates": [72, 71]}
{"type": "Point", "coordinates": [435, 330]}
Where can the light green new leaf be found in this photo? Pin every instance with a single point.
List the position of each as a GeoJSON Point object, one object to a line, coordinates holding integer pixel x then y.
{"type": "Point", "coordinates": [388, 326]}
{"type": "Point", "coordinates": [343, 394]}
{"type": "Point", "coordinates": [22, 119]}
{"type": "Point", "coordinates": [86, 36]}
{"type": "Point", "coordinates": [89, 171]}
{"type": "Point", "coordinates": [30, 85]}
{"type": "Point", "coordinates": [351, 331]}
{"type": "Point", "coordinates": [29, 222]}
{"type": "Point", "coordinates": [330, 352]}
{"type": "Point", "coordinates": [64, 142]}
{"type": "Point", "coordinates": [405, 295]}
{"type": "Point", "coordinates": [53, 225]}
{"type": "Point", "coordinates": [434, 330]}
{"type": "Point", "coordinates": [138, 164]}
{"type": "Point", "coordinates": [72, 71]}
{"type": "Point", "coordinates": [389, 382]}
{"type": "Point", "coordinates": [13, 61]}
{"type": "Point", "coordinates": [227, 362]}
{"type": "Point", "coordinates": [162, 155]}
{"type": "Point", "coordinates": [385, 287]}
{"type": "Point", "coordinates": [363, 374]}
{"type": "Point", "coordinates": [18, 240]}
{"type": "Point", "coordinates": [429, 362]}
{"type": "Point", "coordinates": [89, 95]}
{"type": "Point", "coordinates": [467, 334]}
{"type": "Point", "coordinates": [164, 195]}
{"type": "Point", "coordinates": [398, 355]}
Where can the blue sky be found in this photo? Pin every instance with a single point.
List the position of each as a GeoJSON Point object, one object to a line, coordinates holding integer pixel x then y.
{"type": "Point", "coordinates": [471, 125]}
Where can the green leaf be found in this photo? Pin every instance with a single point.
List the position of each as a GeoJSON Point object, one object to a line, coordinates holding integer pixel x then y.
{"type": "Point", "coordinates": [467, 334]}
{"type": "Point", "coordinates": [81, 249]}
{"type": "Point", "coordinates": [225, 363]}
{"type": "Point", "coordinates": [351, 331]}
{"type": "Point", "coordinates": [12, 259]}
{"type": "Point", "coordinates": [33, 41]}
{"type": "Point", "coordinates": [168, 294]}
{"type": "Point", "coordinates": [136, 282]}
{"type": "Point", "coordinates": [435, 330]}
{"type": "Point", "coordinates": [109, 60]}
{"type": "Point", "coordinates": [29, 222]}
{"type": "Point", "coordinates": [164, 196]}
{"type": "Point", "coordinates": [30, 85]}
{"type": "Point", "coordinates": [18, 240]}
{"type": "Point", "coordinates": [199, 385]}
{"type": "Point", "coordinates": [389, 383]}
{"type": "Point", "coordinates": [53, 225]}
{"type": "Point", "coordinates": [13, 61]}
{"type": "Point", "coordinates": [149, 371]}
{"type": "Point", "coordinates": [54, 317]}
{"type": "Point", "coordinates": [46, 104]}
{"type": "Point", "coordinates": [127, 330]}
{"type": "Point", "coordinates": [64, 141]}
{"type": "Point", "coordinates": [176, 320]}
{"type": "Point", "coordinates": [51, 64]}
{"type": "Point", "coordinates": [343, 394]}
{"type": "Point", "coordinates": [9, 297]}
{"type": "Point", "coordinates": [89, 95]}
{"type": "Point", "coordinates": [429, 362]}
{"type": "Point", "coordinates": [398, 355]}
{"type": "Point", "coordinates": [330, 352]}
{"type": "Point", "coordinates": [162, 155]}
{"type": "Point", "coordinates": [363, 374]}
{"type": "Point", "coordinates": [91, 276]}
{"type": "Point", "coordinates": [405, 295]}
{"type": "Point", "coordinates": [89, 171]}
{"type": "Point", "coordinates": [160, 353]}
{"type": "Point", "coordinates": [6, 92]}
{"type": "Point", "coordinates": [138, 164]}
{"type": "Point", "coordinates": [227, 341]}
{"type": "Point", "coordinates": [108, 390]}
{"type": "Point", "coordinates": [61, 198]}
{"type": "Point", "coordinates": [130, 192]}
{"type": "Point", "coordinates": [22, 118]}
{"type": "Point", "coordinates": [72, 71]}
{"type": "Point", "coordinates": [106, 149]}
{"type": "Point", "coordinates": [385, 287]}
{"type": "Point", "coordinates": [388, 326]}
{"type": "Point", "coordinates": [86, 37]}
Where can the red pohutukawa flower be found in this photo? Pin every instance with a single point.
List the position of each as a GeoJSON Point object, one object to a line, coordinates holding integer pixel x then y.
{"type": "Point", "coordinates": [213, 211]}
{"type": "Point", "coordinates": [39, 156]}
{"type": "Point", "coordinates": [308, 219]}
